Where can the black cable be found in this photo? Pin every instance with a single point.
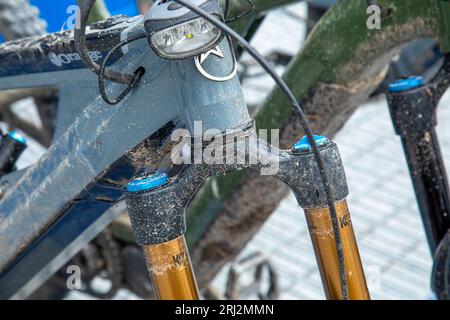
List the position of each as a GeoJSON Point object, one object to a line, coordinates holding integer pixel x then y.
{"type": "Point", "coordinates": [137, 75]}
{"type": "Point", "coordinates": [83, 51]}
{"type": "Point", "coordinates": [239, 16]}
{"type": "Point", "coordinates": [303, 121]}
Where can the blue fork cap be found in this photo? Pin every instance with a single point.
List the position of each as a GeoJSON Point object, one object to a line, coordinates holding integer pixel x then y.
{"type": "Point", "coordinates": [17, 137]}
{"type": "Point", "coordinates": [148, 183]}
{"type": "Point", "coordinates": [304, 145]}
{"type": "Point", "coordinates": [406, 84]}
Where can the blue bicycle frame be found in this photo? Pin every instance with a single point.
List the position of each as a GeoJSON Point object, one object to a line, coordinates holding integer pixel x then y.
{"type": "Point", "coordinates": [52, 209]}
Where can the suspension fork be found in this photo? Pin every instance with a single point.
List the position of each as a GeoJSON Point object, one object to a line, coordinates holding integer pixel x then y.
{"type": "Point", "coordinates": [310, 195]}
{"type": "Point", "coordinates": [413, 107]}
{"type": "Point", "coordinates": [157, 204]}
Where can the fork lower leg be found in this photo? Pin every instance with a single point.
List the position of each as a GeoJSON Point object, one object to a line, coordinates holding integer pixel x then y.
{"type": "Point", "coordinates": [413, 111]}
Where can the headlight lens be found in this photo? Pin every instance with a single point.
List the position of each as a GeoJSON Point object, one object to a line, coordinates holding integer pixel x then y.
{"type": "Point", "coordinates": [187, 39]}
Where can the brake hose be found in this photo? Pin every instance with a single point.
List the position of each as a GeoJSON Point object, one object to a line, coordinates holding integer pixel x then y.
{"type": "Point", "coordinates": [304, 123]}
{"type": "Point", "coordinates": [129, 79]}
{"type": "Point", "coordinates": [80, 45]}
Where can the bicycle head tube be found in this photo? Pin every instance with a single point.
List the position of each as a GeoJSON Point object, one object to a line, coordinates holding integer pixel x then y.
{"type": "Point", "coordinates": [204, 65]}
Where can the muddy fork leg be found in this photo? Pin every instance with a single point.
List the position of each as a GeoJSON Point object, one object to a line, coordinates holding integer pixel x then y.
{"type": "Point", "coordinates": [413, 106]}
{"type": "Point", "coordinates": [157, 216]}
{"type": "Point", "coordinates": [308, 190]}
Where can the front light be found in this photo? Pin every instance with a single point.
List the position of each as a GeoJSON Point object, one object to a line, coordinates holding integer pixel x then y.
{"type": "Point", "coordinates": [187, 39]}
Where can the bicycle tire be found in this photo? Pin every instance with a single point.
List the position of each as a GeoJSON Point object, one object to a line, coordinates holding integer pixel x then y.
{"type": "Point", "coordinates": [19, 19]}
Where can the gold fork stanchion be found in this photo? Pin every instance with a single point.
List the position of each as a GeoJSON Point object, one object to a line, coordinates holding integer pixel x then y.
{"type": "Point", "coordinates": [322, 236]}
{"type": "Point", "coordinates": [158, 218]}
{"type": "Point", "coordinates": [311, 196]}
{"type": "Point", "coordinates": [171, 270]}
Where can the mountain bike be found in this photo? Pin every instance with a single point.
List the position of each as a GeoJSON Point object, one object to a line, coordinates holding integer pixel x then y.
{"type": "Point", "coordinates": [100, 146]}
{"type": "Point", "coordinates": [82, 175]}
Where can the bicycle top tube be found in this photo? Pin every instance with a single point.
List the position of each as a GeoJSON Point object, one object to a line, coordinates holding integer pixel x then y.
{"type": "Point", "coordinates": [56, 52]}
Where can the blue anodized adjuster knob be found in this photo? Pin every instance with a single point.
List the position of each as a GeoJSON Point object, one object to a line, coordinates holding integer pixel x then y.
{"type": "Point", "coordinates": [402, 85]}
{"type": "Point", "coordinates": [148, 183]}
{"type": "Point", "coordinates": [304, 145]}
